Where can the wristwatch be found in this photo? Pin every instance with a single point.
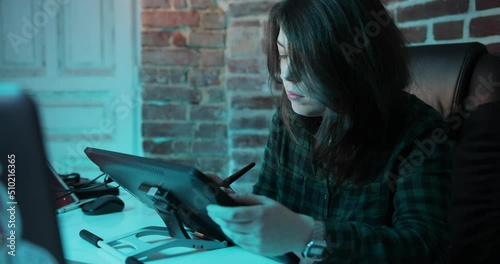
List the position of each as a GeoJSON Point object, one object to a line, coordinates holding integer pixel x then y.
{"type": "Point", "coordinates": [316, 248]}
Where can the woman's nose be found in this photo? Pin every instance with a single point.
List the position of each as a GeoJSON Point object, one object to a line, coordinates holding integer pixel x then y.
{"type": "Point", "coordinates": [285, 77]}
{"type": "Point", "coordinates": [285, 74]}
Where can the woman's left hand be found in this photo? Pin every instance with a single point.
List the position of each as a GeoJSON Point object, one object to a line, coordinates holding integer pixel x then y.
{"type": "Point", "coordinates": [264, 226]}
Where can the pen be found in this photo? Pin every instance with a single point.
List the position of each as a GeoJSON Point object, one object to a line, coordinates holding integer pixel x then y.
{"type": "Point", "coordinates": [229, 180]}
{"type": "Point", "coordinates": [73, 206]}
{"type": "Point", "coordinates": [98, 242]}
{"type": "Point", "coordinates": [69, 208]}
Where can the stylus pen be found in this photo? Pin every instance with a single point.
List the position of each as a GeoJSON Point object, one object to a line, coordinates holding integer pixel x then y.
{"type": "Point", "coordinates": [98, 242]}
{"type": "Point", "coordinates": [229, 180]}
{"type": "Point", "coordinates": [73, 206]}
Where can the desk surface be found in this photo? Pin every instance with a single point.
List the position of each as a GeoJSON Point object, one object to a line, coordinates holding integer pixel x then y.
{"type": "Point", "coordinates": [135, 216]}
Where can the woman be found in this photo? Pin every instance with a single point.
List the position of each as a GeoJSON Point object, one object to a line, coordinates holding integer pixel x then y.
{"type": "Point", "coordinates": [355, 169]}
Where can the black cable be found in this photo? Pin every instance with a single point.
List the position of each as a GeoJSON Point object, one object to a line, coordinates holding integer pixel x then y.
{"type": "Point", "coordinates": [81, 187]}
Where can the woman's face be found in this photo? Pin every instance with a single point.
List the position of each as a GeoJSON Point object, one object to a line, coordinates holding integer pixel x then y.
{"type": "Point", "coordinates": [302, 104]}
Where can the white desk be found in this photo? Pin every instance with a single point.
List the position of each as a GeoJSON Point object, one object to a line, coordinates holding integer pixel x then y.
{"type": "Point", "coordinates": [135, 216]}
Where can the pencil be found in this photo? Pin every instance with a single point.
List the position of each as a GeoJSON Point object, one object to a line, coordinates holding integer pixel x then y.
{"type": "Point", "coordinates": [229, 180]}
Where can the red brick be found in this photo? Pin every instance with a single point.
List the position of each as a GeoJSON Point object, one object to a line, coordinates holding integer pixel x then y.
{"type": "Point", "coordinates": [178, 39]}
{"type": "Point", "coordinates": [208, 113]}
{"type": "Point", "coordinates": [163, 112]}
{"type": "Point", "coordinates": [167, 147]}
{"type": "Point", "coordinates": [217, 166]}
{"type": "Point", "coordinates": [212, 148]}
{"type": "Point", "coordinates": [253, 140]}
{"type": "Point", "coordinates": [155, 38]}
{"type": "Point", "coordinates": [205, 77]}
{"type": "Point", "coordinates": [487, 4]}
{"type": "Point", "coordinates": [202, 4]}
{"type": "Point", "coordinates": [241, 9]}
{"type": "Point", "coordinates": [212, 58]}
{"type": "Point", "coordinates": [164, 18]}
{"type": "Point", "coordinates": [174, 57]}
{"type": "Point", "coordinates": [207, 39]}
{"type": "Point", "coordinates": [250, 65]}
{"type": "Point", "coordinates": [214, 20]}
{"type": "Point", "coordinates": [181, 130]}
{"type": "Point", "coordinates": [171, 94]}
{"type": "Point", "coordinates": [253, 102]}
{"type": "Point", "coordinates": [494, 48]}
{"type": "Point", "coordinates": [246, 23]}
{"type": "Point", "coordinates": [415, 34]}
{"type": "Point", "coordinates": [179, 4]}
{"type": "Point", "coordinates": [449, 30]}
{"type": "Point", "coordinates": [155, 4]}
{"type": "Point", "coordinates": [432, 9]}
{"type": "Point", "coordinates": [161, 76]}
{"type": "Point", "coordinates": [152, 75]}
{"type": "Point", "coordinates": [178, 76]}
{"type": "Point", "coordinates": [247, 83]}
{"type": "Point", "coordinates": [245, 42]}
{"type": "Point", "coordinates": [250, 122]}
{"type": "Point", "coordinates": [214, 96]}
{"type": "Point", "coordinates": [485, 26]}
{"type": "Point", "coordinates": [218, 131]}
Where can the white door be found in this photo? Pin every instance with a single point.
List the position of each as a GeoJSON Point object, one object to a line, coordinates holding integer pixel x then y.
{"type": "Point", "coordinates": [78, 58]}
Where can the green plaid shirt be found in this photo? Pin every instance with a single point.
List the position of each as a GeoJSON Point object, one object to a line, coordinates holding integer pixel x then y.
{"type": "Point", "coordinates": [400, 217]}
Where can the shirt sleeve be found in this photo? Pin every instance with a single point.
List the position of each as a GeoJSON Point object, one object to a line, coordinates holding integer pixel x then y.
{"type": "Point", "coordinates": [419, 231]}
{"type": "Point", "coordinates": [266, 182]}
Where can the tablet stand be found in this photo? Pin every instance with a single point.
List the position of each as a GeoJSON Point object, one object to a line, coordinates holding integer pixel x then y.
{"type": "Point", "coordinates": [175, 233]}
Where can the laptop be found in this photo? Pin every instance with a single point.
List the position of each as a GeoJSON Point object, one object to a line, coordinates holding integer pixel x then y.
{"type": "Point", "coordinates": [27, 180]}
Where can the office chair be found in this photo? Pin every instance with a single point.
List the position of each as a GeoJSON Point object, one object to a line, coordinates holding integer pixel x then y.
{"type": "Point", "coordinates": [462, 82]}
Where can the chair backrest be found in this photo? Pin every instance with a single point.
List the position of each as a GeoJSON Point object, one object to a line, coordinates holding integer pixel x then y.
{"type": "Point", "coordinates": [33, 229]}
{"type": "Point", "coordinates": [462, 82]}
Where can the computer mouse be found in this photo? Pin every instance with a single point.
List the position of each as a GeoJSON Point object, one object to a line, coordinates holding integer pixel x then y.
{"type": "Point", "coordinates": [105, 204]}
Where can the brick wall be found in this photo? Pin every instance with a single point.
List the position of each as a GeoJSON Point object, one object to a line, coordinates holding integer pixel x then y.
{"type": "Point", "coordinates": [185, 107]}
{"type": "Point", "coordinates": [445, 21]}
{"type": "Point", "coordinates": [206, 98]}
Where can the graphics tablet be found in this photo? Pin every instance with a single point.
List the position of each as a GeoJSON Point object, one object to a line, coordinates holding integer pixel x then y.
{"type": "Point", "coordinates": [191, 188]}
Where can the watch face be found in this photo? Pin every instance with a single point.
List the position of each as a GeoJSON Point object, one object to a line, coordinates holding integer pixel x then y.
{"type": "Point", "coordinates": [315, 252]}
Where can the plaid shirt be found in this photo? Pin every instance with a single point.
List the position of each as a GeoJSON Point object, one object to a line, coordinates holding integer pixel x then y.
{"type": "Point", "coordinates": [400, 217]}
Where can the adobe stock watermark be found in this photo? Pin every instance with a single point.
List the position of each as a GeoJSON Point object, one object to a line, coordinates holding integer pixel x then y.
{"type": "Point", "coordinates": [362, 38]}
{"type": "Point", "coordinates": [427, 147]}
{"type": "Point", "coordinates": [31, 27]}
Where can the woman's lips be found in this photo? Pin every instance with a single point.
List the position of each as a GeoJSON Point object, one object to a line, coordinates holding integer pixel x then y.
{"type": "Point", "coordinates": [294, 96]}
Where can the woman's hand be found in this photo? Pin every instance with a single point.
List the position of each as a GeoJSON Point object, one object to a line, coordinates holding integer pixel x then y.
{"type": "Point", "coordinates": [265, 226]}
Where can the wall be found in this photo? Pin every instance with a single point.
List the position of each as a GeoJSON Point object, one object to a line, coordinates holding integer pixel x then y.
{"type": "Point", "coordinates": [445, 21]}
{"type": "Point", "coordinates": [206, 98]}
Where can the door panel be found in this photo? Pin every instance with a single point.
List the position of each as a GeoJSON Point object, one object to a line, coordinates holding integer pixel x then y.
{"type": "Point", "coordinates": [79, 61]}
{"type": "Point", "coordinates": [22, 46]}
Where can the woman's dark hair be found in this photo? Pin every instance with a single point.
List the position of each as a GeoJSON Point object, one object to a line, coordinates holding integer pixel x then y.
{"type": "Point", "coordinates": [351, 57]}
